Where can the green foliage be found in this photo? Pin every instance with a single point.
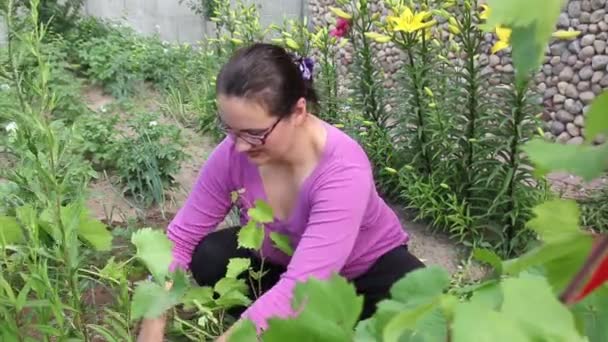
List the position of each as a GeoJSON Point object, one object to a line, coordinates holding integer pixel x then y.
{"type": "Point", "coordinates": [156, 150]}
{"type": "Point", "coordinates": [154, 250]}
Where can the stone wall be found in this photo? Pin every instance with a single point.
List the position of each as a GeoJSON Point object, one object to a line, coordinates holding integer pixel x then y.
{"type": "Point", "coordinates": [573, 74]}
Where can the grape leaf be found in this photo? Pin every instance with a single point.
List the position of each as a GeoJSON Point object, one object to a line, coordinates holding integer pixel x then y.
{"type": "Point", "coordinates": [261, 212]}
{"type": "Point", "coordinates": [95, 233]}
{"type": "Point", "coordinates": [532, 23]}
{"type": "Point", "coordinates": [244, 331]}
{"type": "Point", "coordinates": [282, 242]}
{"type": "Point", "coordinates": [420, 286]}
{"type": "Point", "coordinates": [410, 320]}
{"type": "Point", "coordinates": [530, 301]}
{"type": "Point", "coordinates": [151, 300]}
{"type": "Point", "coordinates": [585, 161]}
{"type": "Point", "coordinates": [597, 117]}
{"type": "Point", "coordinates": [251, 236]}
{"type": "Point", "coordinates": [556, 220]}
{"type": "Point", "coordinates": [237, 266]}
{"type": "Point", "coordinates": [327, 311]}
{"type": "Point", "coordinates": [478, 323]}
{"type": "Point", "coordinates": [592, 315]}
{"type": "Point", "coordinates": [232, 299]}
{"type": "Point", "coordinates": [488, 256]}
{"type": "Point", "coordinates": [201, 294]}
{"type": "Point", "coordinates": [559, 260]}
{"type": "Point", "coordinates": [10, 232]}
{"type": "Point", "coordinates": [226, 285]}
{"type": "Point", "coordinates": [154, 250]}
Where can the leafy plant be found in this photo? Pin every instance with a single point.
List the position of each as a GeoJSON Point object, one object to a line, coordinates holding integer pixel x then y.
{"type": "Point", "coordinates": [156, 151]}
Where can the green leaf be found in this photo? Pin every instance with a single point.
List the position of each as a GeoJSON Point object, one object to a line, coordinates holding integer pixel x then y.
{"type": "Point", "coordinates": [282, 242]}
{"type": "Point", "coordinates": [201, 294]}
{"type": "Point", "coordinates": [559, 261]}
{"type": "Point", "coordinates": [489, 295]}
{"type": "Point", "coordinates": [531, 301]}
{"type": "Point", "coordinates": [261, 212]}
{"type": "Point", "coordinates": [10, 231]}
{"type": "Point", "coordinates": [597, 117]}
{"type": "Point", "coordinates": [95, 233]}
{"type": "Point", "coordinates": [532, 23]}
{"type": "Point", "coordinates": [251, 236]}
{"type": "Point", "coordinates": [244, 331]}
{"type": "Point", "coordinates": [232, 299]}
{"type": "Point", "coordinates": [592, 315]}
{"type": "Point", "coordinates": [556, 220]}
{"type": "Point", "coordinates": [328, 311]}
{"type": "Point", "coordinates": [237, 266]}
{"type": "Point", "coordinates": [407, 320]}
{"type": "Point", "coordinates": [151, 300]}
{"type": "Point", "coordinates": [585, 161]}
{"type": "Point", "coordinates": [488, 256]}
{"type": "Point", "coordinates": [477, 323]}
{"type": "Point", "coordinates": [154, 250]}
{"type": "Point", "coordinates": [226, 285]}
{"type": "Point", "coordinates": [421, 286]}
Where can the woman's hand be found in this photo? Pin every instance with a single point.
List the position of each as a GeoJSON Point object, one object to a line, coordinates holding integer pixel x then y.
{"type": "Point", "coordinates": [153, 329]}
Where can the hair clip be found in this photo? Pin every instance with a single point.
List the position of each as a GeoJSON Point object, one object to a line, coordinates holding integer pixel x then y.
{"type": "Point", "coordinates": [306, 65]}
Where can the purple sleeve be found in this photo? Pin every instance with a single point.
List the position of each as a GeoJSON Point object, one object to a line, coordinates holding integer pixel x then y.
{"type": "Point", "coordinates": [205, 208]}
{"type": "Point", "coordinates": [338, 201]}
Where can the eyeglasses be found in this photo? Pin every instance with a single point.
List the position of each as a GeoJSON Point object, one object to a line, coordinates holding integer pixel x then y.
{"type": "Point", "coordinates": [255, 139]}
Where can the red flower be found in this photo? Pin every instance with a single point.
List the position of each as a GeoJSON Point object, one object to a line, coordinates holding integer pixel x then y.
{"type": "Point", "coordinates": [342, 27]}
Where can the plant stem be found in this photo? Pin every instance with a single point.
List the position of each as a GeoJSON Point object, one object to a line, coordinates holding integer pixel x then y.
{"type": "Point", "coordinates": [514, 164]}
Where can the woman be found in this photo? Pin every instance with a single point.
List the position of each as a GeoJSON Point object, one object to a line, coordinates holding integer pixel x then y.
{"type": "Point", "coordinates": [317, 180]}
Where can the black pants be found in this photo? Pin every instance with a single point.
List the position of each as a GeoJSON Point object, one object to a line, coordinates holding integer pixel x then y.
{"type": "Point", "coordinates": [211, 256]}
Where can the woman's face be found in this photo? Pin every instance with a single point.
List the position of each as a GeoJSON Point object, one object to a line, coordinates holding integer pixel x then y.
{"type": "Point", "coordinates": [262, 137]}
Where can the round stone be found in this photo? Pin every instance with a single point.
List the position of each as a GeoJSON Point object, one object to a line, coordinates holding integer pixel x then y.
{"type": "Point", "coordinates": [587, 40]}
{"type": "Point", "coordinates": [558, 48]}
{"type": "Point", "coordinates": [586, 96]}
{"type": "Point", "coordinates": [572, 129]}
{"type": "Point", "coordinates": [583, 85]}
{"type": "Point", "coordinates": [574, 9]}
{"type": "Point", "coordinates": [559, 98]}
{"type": "Point", "coordinates": [587, 52]}
{"type": "Point", "coordinates": [561, 87]}
{"type": "Point", "coordinates": [541, 87]}
{"type": "Point", "coordinates": [585, 18]}
{"type": "Point", "coordinates": [596, 89]}
{"type": "Point", "coordinates": [566, 74]}
{"type": "Point", "coordinates": [555, 60]}
{"type": "Point", "coordinates": [573, 107]}
{"type": "Point", "coordinates": [599, 62]}
{"type": "Point", "coordinates": [579, 121]}
{"type": "Point", "coordinates": [575, 141]}
{"type": "Point", "coordinates": [603, 26]}
{"type": "Point", "coordinates": [557, 127]}
{"type": "Point", "coordinates": [563, 137]}
{"type": "Point", "coordinates": [571, 91]}
{"type": "Point", "coordinates": [586, 73]}
{"type": "Point", "coordinates": [571, 60]}
{"type": "Point", "coordinates": [575, 47]}
{"type": "Point", "coordinates": [550, 93]}
{"type": "Point", "coordinates": [593, 28]}
{"type": "Point", "coordinates": [564, 116]}
{"type": "Point", "coordinates": [508, 68]}
{"type": "Point", "coordinates": [547, 70]}
{"type": "Point", "coordinates": [597, 4]}
{"type": "Point", "coordinates": [597, 16]}
{"type": "Point", "coordinates": [599, 46]}
{"type": "Point", "coordinates": [494, 60]}
{"type": "Point", "coordinates": [604, 81]}
{"type": "Point", "coordinates": [597, 77]}
{"type": "Point", "coordinates": [586, 5]}
{"type": "Point", "coordinates": [564, 21]}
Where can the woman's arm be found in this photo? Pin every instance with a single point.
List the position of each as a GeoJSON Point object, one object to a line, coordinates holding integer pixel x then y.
{"type": "Point", "coordinates": [206, 206]}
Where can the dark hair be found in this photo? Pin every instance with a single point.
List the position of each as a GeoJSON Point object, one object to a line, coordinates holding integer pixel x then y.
{"type": "Point", "coordinates": [268, 74]}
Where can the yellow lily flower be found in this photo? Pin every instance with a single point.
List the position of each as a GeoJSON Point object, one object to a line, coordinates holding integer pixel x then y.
{"type": "Point", "coordinates": [561, 34]}
{"type": "Point", "coordinates": [485, 14]}
{"type": "Point", "coordinates": [340, 13]}
{"type": "Point", "coordinates": [453, 29]}
{"type": "Point", "coordinates": [409, 21]}
{"type": "Point", "coordinates": [377, 37]}
{"type": "Point", "coordinates": [292, 44]}
{"type": "Point", "coordinates": [504, 35]}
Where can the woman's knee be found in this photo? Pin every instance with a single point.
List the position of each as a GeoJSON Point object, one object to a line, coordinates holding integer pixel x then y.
{"type": "Point", "coordinates": [211, 256]}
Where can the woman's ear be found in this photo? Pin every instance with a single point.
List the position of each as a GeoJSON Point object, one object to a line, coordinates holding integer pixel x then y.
{"type": "Point", "coordinates": [300, 111]}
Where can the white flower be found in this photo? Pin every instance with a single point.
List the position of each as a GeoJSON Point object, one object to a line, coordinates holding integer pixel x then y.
{"type": "Point", "coordinates": [165, 50]}
{"type": "Point", "coordinates": [11, 127]}
{"type": "Point", "coordinates": [4, 87]}
{"type": "Point", "coordinates": [103, 109]}
{"type": "Point", "coordinates": [153, 123]}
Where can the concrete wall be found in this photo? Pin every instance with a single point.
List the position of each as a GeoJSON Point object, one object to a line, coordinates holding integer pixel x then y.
{"type": "Point", "coordinates": [175, 21]}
